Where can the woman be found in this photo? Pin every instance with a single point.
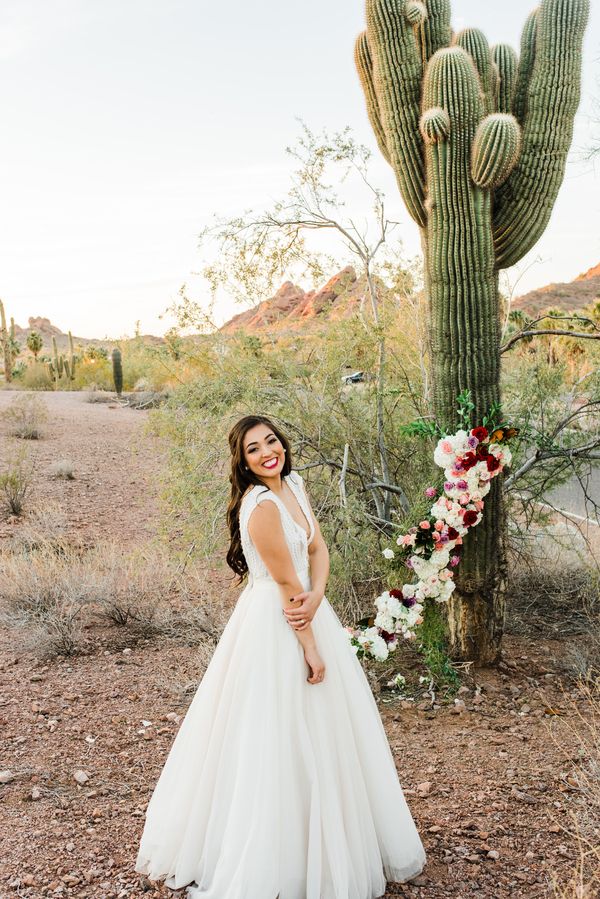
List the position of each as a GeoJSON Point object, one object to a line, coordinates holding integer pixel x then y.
{"type": "Point", "coordinates": [280, 783]}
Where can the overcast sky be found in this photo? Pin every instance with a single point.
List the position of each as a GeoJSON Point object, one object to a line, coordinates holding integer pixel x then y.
{"type": "Point", "coordinates": [127, 123]}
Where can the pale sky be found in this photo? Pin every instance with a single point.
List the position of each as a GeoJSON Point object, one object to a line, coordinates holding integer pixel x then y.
{"type": "Point", "coordinates": [127, 123]}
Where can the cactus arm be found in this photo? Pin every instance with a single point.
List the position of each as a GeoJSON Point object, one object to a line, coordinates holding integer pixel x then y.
{"type": "Point", "coordinates": [526, 63]}
{"type": "Point", "coordinates": [397, 74]}
{"type": "Point", "coordinates": [524, 203]}
{"type": "Point", "coordinates": [475, 43]}
{"type": "Point", "coordinates": [496, 150]}
{"type": "Point", "coordinates": [434, 32]}
{"type": "Point", "coordinates": [507, 62]}
{"type": "Point", "coordinates": [364, 67]}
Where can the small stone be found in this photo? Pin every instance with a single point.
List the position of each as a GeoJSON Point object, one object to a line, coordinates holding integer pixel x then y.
{"type": "Point", "coordinates": [36, 794]}
{"type": "Point", "coordinates": [493, 853]}
{"type": "Point", "coordinates": [81, 776]}
{"type": "Point", "coordinates": [424, 788]}
{"type": "Point", "coordinates": [6, 776]}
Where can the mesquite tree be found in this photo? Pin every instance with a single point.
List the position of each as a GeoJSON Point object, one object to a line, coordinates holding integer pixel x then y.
{"type": "Point", "coordinates": [478, 140]}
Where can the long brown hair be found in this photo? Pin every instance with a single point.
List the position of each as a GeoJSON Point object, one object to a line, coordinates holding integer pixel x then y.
{"type": "Point", "coordinates": [241, 478]}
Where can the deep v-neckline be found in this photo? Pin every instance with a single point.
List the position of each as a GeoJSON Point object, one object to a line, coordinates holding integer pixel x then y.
{"type": "Point", "coordinates": [302, 509]}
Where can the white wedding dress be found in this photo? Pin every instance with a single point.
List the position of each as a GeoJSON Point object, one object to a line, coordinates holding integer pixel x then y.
{"type": "Point", "coordinates": [275, 788]}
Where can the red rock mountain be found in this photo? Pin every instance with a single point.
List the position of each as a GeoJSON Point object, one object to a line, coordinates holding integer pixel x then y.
{"type": "Point", "coordinates": [571, 297]}
{"type": "Point", "coordinates": [292, 307]}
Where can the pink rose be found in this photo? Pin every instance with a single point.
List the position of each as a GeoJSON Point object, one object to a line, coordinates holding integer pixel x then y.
{"type": "Point", "coordinates": [425, 525]}
{"type": "Point", "coordinates": [430, 492]}
{"type": "Point", "coordinates": [479, 505]}
{"type": "Point", "coordinates": [464, 499]}
{"type": "Point", "coordinates": [436, 537]}
{"type": "Point", "coordinates": [447, 447]}
{"type": "Point", "coordinates": [439, 525]}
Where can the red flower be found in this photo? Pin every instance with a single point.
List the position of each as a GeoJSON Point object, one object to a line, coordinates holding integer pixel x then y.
{"type": "Point", "coordinates": [492, 463]}
{"type": "Point", "coordinates": [470, 518]}
{"type": "Point", "coordinates": [452, 533]}
{"type": "Point", "coordinates": [397, 594]}
{"type": "Point", "coordinates": [469, 460]}
{"type": "Point", "coordinates": [482, 451]}
{"type": "Point", "coordinates": [481, 433]}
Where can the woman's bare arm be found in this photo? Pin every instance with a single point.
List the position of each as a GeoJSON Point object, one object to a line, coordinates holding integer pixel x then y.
{"type": "Point", "coordinates": [266, 531]}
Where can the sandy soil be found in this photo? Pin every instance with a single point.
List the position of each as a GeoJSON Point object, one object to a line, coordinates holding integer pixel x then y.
{"type": "Point", "coordinates": [490, 782]}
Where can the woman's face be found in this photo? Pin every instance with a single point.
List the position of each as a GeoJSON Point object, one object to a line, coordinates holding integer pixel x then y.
{"type": "Point", "coordinates": [263, 452]}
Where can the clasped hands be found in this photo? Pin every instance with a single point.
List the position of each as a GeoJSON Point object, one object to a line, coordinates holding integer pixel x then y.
{"type": "Point", "coordinates": [303, 611]}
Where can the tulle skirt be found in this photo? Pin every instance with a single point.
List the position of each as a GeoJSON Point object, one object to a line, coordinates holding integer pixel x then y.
{"type": "Point", "coordinates": [275, 788]}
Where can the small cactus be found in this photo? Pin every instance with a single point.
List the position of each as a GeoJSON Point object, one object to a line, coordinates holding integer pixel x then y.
{"type": "Point", "coordinates": [117, 371]}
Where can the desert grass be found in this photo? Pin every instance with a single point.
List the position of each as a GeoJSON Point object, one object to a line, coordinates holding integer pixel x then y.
{"type": "Point", "coordinates": [61, 597]}
{"type": "Point", "coordinates": [576, 733]}
{"type": "Point", "coordinates": [26, 416]}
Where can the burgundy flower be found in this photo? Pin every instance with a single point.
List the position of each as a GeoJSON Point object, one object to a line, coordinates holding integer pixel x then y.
{"type": "Point", "coordinates": [452, 533]}
{"type": "Point", "coordinates": [492, 463]}
{"type": "Point", "coordinates": [481, 433]}
{"type": "Point", "coordinates": [397, 594]}
{"type": "Point", "coordinates": [389, 638]}
{"type": "Point", "coordinates": [482, 452]}
{"type": "Point", "coordinates": [470, 518]}
{"type": "Point", "coordinates": [469, 460]}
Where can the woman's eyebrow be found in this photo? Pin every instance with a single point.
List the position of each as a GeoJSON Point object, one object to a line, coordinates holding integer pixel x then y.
{"type": "Point", "coordinates": [255, 442]}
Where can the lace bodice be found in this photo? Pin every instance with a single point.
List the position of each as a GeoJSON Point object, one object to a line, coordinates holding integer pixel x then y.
{"type": "Point", "coordinates": [295, 535]}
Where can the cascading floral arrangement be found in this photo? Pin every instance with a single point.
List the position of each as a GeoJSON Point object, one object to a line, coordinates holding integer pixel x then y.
{"type": "Point", "coordinates": [470, 458]}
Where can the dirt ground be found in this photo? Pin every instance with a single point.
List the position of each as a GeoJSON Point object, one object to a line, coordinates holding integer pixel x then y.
{"type": "Point", "coordinates": [491, 778]}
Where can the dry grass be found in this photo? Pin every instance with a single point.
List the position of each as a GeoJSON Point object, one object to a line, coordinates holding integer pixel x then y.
{"type": "Point", "coordinates": [15, 484]}
{"type": "Point", "coordinates": [58, 594]}
{"type": "Point", "coordinates": [63, 469]}
{"type": "Point", "coordinates": [26, 416]}
{"type": "Point", "coordinates": [577, 735]}
{"type": "Point", "coordinates": [560, 602]}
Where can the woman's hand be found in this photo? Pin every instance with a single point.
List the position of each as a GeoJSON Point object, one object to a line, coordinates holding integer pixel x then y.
{"type": "Point", "coordinates": [315, 665]}
{"type": "Point", "coordinates": [303, 611]}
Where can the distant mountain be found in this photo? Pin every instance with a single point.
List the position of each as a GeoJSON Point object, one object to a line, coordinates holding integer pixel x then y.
{"type": "Point", "coordinates": [293, 308]}
{"type": "Point", "coordinates": [571, 297]}
{"type": "Point", "coordinates": [45, 327]}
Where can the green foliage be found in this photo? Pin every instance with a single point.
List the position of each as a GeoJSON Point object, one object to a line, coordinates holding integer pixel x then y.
{"type": "Point", "coordinates": [35, 343]}
{"type": "Point", "coordinates": [434, 647]}
{"type": "Point", "coordinates": [297, 380]}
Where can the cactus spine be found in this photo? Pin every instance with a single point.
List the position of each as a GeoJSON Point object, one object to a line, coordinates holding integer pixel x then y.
{"type": "Point", "coordinates": [478, 139]}
{"type": "Point", "coordinates": [117, 371]}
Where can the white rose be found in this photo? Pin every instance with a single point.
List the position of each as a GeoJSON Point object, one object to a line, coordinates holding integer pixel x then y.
{"type": "Point", "coordinates": [388, 553]}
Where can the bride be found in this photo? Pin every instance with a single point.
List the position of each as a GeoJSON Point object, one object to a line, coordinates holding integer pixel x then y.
{"type": "Point", "coordinates": [280, 783]}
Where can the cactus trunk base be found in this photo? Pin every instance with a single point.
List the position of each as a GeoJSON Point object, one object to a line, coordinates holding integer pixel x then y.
{"type": "Point", "coordinates": [476, 610]}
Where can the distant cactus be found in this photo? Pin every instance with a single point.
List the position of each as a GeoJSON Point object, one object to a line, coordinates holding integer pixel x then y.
{"type": "Point", "coordinates": [35, 343]}
{"type": "Point", "coordinates": [71, 362]}
{"type": "Point", "coordinates": [7, 348]}
{"type": "Point", "coordinates": [117, 371]}
{"type": "Point", "coordinates": [478, 141]}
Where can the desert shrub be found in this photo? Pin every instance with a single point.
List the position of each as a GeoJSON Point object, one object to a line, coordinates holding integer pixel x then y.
{"type": "Point", "coordinates": [63, 469]}
{"type": "Point", "coordinates": [15, 484]}
{"type": "Point", "coordinates": [297, 380]}
{"type": "Point", "coordinates": [36, 377]}
{"type": "Point", "coordinates": [26, 416]}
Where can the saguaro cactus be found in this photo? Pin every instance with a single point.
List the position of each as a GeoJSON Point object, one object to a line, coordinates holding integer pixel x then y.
{"type": "Point", "coordinates": [6, 338]}
{"type": "Point", "coordinates": [478, 139]}
{"type": "Point", "coordinates": [117, 367]}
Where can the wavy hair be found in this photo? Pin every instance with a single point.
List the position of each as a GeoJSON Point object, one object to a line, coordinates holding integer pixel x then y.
{"type": "Point", "coordinates": [242, 478]}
